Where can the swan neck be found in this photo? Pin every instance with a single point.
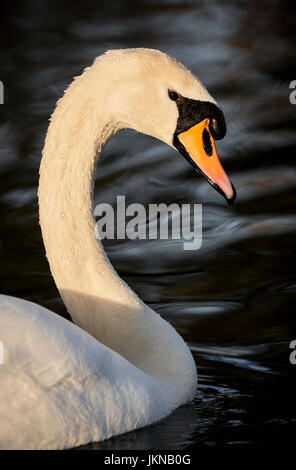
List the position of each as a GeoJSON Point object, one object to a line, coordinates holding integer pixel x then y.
{"type": "Point", "coordinates": [76, 137]}
{"type": "Point", "coordinates": [95, 296]}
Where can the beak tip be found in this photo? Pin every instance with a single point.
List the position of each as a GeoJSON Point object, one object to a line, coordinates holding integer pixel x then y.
{"type": "Point", "coordinates": [231, 200]}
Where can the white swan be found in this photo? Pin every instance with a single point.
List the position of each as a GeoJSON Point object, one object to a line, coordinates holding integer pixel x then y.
{"type": "Point", "coordinates": [123, 366]}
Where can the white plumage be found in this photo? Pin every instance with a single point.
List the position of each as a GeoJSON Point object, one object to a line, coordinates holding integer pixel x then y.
{"type": "Point", "coordinates": [123, 366]}
{"type": "Point", "coordinates": [60, 387]}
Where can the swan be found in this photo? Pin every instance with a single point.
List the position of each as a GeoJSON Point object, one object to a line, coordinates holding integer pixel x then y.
{"type": "Point", "coordinates": [119, 366]}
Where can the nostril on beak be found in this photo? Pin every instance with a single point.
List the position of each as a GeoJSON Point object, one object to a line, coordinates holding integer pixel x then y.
{"type": "Point", "coordinates": [207, 144]}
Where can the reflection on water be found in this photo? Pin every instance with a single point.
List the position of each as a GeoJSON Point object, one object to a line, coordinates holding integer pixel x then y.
{"type": "Point", "coordinates": [233, 300]}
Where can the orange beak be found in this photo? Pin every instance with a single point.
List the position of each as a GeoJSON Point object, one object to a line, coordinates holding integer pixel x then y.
{"type": "Point", "coordinates": [198, 144]}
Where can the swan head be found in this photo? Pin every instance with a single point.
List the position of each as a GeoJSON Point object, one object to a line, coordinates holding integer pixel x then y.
{"type": "Point", "coordinates": [156, 95]}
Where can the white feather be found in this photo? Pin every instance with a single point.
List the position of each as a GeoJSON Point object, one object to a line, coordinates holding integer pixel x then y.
{"type": "Point", "coordinates": [123, 366]}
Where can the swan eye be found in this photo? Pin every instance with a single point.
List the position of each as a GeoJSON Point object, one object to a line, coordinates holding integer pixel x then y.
{"type": "Point", "coordinates": [173, 95]}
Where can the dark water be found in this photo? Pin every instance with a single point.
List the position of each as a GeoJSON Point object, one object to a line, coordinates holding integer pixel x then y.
{"type": "Point", "coordinates": [233, 300]}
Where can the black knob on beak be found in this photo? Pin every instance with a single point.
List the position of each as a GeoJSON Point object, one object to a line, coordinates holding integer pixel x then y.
{"type": "Point", "coordinates": [218, 126]}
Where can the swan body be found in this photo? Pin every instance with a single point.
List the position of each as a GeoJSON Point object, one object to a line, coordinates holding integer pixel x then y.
{"type": "Point", "coordinates": [61, 388]}
{"type": "Point", "coordinates": [120, 366]}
